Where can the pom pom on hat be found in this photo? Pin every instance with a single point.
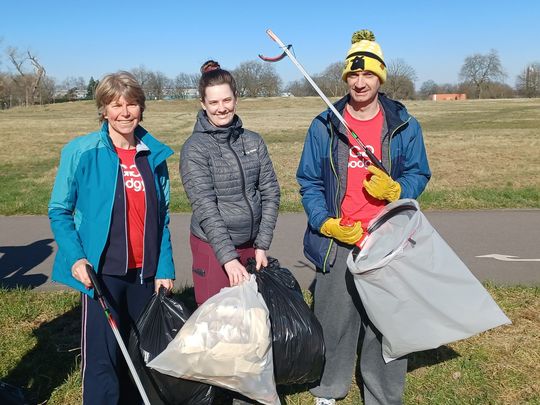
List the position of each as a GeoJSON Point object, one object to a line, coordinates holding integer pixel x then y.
{"type": "Point", "coordinates": [362, 35]}
{"type": "Point", "coordinates": [365, 54]}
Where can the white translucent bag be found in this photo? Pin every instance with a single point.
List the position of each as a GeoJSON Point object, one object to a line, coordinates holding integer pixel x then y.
{"type": "Point", "coordinates": [415, 289]}
{"type": "Point", "coordinates": [226, 342]}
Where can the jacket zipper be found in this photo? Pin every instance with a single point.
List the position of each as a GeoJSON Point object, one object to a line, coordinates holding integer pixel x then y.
{"type": "Point", "coordinates": [243, 187]}
{"type": "Point", "coordinates": [337, 209]}
{"type": "Point", "coordinates": [145, 214]}
{"type": "Point", "coordinates": [125, 220]}
{"type": "Point", "coordinates": [390, 144]}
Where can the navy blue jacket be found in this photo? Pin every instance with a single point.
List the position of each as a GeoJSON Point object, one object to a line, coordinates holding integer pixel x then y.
{"type": "Point", "coordinates": [322, 172]}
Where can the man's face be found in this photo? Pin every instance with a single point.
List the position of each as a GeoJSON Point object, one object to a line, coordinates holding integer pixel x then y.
{"type": "Point", "coordinates": [363, 87]}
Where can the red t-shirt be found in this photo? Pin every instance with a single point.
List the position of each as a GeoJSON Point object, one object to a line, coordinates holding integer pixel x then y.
{"type": "Point", "coordinates": [358, 204]}
{"type": "Point", "coordinates": [135, 206]}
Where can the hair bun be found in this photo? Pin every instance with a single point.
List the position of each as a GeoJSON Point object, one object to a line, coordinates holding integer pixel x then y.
{"type": "Point", "coordinates": [209, 65]}
{"type": "Point", "coordinates": [362, 35]}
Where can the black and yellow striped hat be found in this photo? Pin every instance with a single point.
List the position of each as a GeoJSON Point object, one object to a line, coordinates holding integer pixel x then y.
{"type": "Point", "coordinates": [365, 54]}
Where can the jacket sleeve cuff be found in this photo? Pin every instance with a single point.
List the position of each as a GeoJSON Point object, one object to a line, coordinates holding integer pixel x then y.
{"type": "Point", "coordinates": [227, 257]}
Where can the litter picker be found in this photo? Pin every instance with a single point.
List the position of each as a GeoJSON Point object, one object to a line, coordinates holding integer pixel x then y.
{"type": "Point", "coordinates": [287, 52]}
{"type": "Point", "coordinates": [99, 294]}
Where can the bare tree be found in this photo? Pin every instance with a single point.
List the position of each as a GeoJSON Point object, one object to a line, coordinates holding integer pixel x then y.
{"type": "Point", "coordinates": [400, 79]}
{"type": "Point", "coordinates": [300, 88]}
{"type": "Point", "coordinates": [157, 86]}
{"type": "Point", "coordinates": [528, 81]}
{"type": "Point", "coordinates": [256, 79]}
{"type": "Point", "coordinates": [428, 88]}
{"type": "Point", "coordinates": [5, 91]}
{"type": "Point", "coordinates": [46, 90]}
{"type": "Point", "coordinates": [141, 74]}
{"type": "Point", "coordinates": [330, 81]}
{"type": "Point", "coordinates": [72, 82]}
{"type": "Point", "coordinates": [184, 85]}
{"type": "Point", "coordinates": [479, 70]}
{"type": "Point", "coordinates": [27, 81]}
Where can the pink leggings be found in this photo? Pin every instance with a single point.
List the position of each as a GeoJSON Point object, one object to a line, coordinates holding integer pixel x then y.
{"type": "Point", "coordinates": [209, 277]}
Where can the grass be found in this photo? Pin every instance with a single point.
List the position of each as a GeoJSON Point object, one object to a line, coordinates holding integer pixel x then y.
{"type": "Point", "coordinates": [483, 153]}
{"type": "Point", "coordinates": [39, 351]}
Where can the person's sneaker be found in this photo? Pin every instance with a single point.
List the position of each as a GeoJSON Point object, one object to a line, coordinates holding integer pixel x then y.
{"type": "Point", "coordinates": [325, 401]}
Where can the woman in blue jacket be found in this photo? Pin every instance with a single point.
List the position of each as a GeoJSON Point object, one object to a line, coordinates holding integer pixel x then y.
{"type": "Point", "coordinates": [109, 211]}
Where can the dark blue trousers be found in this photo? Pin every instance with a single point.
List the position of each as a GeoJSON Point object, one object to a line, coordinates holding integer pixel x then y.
{"type": "Point", "coordinates": [105, 374]}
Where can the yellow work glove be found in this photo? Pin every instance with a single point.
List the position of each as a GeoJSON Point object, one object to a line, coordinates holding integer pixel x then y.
{"type": "Point", "coordinates": [381, 186]}
{"type": "Point", "coordinates": [346, 234]}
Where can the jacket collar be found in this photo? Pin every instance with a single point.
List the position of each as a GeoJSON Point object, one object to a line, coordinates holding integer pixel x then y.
{"type": "Point", "coordinates": [158, 152]}
{"type": "Point", "coordinates": [221, 135]}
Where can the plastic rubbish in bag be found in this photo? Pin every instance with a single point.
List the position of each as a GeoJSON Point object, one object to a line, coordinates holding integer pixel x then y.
{"type": "Point", "coordinates": [226, 342]}
{"type": "Point", "coordinates": [157, 326]}
{"type": "Point", "coordinates": [297, 337]}
{"type": "Point", "coordinates": [415, 289]}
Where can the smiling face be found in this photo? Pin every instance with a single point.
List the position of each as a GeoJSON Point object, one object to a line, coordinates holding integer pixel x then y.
{"type": "Point", "coordinates": [220, 104]}
{"type": "Point", "coordinates": [363, 87]}
{"type": "Point", "coordinates": [123, 117]}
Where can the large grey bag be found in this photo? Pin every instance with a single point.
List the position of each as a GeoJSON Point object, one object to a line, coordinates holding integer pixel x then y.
{"type": "Point", "coordinates": [415, 289]}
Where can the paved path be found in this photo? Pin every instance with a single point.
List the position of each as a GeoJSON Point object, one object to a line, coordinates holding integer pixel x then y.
{"type": "Point", "coordinates": [27, 246]}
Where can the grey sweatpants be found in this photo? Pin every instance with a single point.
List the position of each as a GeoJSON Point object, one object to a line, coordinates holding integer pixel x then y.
{"type": "Point", "coordinates": [339, 310]}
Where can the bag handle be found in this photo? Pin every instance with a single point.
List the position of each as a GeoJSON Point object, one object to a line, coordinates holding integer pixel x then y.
{"type": "Point", "coordinates": [393, 212]}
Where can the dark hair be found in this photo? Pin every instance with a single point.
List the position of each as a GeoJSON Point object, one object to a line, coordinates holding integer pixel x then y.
{"type": "Point", "coordinates": [213, 75]}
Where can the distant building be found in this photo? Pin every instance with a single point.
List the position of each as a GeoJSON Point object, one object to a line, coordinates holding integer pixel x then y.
{"type": "Point", "coordinates": [448, 96]}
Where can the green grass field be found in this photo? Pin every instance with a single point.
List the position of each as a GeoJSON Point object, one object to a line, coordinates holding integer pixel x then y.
{"type": "Point", "coordinates": [40, 350]}
{"type": "Point", "coordinates": [483, 153]}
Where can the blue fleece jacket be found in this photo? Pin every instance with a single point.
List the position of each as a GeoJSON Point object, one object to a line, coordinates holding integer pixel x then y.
{"type": "Point", "coordinates": [84, 203]}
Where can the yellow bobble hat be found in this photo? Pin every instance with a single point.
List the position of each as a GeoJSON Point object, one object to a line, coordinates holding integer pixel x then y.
{"type": "Point", "coordinates": [365, 54]}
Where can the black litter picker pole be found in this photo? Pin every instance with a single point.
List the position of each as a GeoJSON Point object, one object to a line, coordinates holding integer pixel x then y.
{"type": "Point", "coordinates": [99, 294]}
{"type": "Point", "coordinates": [286, 52]}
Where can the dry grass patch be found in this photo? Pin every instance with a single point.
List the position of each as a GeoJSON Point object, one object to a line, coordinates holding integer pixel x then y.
{"type": "Point", "coordinates": [483, 153]}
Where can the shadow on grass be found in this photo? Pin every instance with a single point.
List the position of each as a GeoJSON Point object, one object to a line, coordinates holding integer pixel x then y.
{"type": "Point", "coordinates": [53, 358]}
{"type": "Point", "coordinates": [431, 357]}
{"type": "Point", "coordinates": [16, 261]}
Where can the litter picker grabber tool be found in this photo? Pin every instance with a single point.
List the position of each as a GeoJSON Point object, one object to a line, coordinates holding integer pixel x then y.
{"type": "Point", "coordinates": [99, 293]}
{"type": "Point", "coordinates": [286, 52]}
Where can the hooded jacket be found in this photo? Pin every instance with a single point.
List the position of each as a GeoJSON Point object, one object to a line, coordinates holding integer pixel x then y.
{"type": "Point", "coordinates": [322, 172]}
{"type": "Point", "coordinates": [87, 208]}
{"type": "Point", "coordinates": [232, 187]}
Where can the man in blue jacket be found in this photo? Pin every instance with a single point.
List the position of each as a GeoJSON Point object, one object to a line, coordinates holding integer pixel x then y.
{"type": "Point", "coordinates": [341, 192]}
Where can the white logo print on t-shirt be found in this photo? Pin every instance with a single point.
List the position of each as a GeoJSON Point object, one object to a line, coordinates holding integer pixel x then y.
{"type": "Point", "coordinates": [132, 178]}
{"type": "Point", "coordinates": [358, 158]}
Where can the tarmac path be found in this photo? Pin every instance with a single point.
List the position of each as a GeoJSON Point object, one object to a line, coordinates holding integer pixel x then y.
{"type": "Point", "coordinates": [509, 240]}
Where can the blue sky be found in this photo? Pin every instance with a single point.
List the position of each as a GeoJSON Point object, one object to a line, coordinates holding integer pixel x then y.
{"type": "Point", "coordinates": [79, 38]}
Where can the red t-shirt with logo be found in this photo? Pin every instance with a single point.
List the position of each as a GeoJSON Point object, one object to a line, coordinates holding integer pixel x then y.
{"type": "Point", "coordinates": [135, 206]}
{"type": "Point", "coordinates": [358, 204]}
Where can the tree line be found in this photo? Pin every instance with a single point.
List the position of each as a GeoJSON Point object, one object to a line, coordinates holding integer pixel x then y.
{"type": "Point", "coordinates": [24, 81]}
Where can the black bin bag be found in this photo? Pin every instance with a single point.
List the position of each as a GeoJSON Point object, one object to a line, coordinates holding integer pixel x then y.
{"type": "Point", "coordinates": [298, 344]}
{"type": "Point", "coordinates": [157, 326]}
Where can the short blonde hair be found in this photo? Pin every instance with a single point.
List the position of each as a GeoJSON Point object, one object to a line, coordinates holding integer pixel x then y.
{"type": "Point", "coordinates": [113, 86]}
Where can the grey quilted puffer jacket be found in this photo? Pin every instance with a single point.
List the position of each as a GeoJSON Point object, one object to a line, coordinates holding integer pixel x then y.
{"type": "Point", "coordinates": [231, 185]}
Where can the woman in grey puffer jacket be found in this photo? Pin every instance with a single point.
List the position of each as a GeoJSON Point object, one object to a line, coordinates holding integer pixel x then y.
{"type": "Point", "coordinates": [231, 185]}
